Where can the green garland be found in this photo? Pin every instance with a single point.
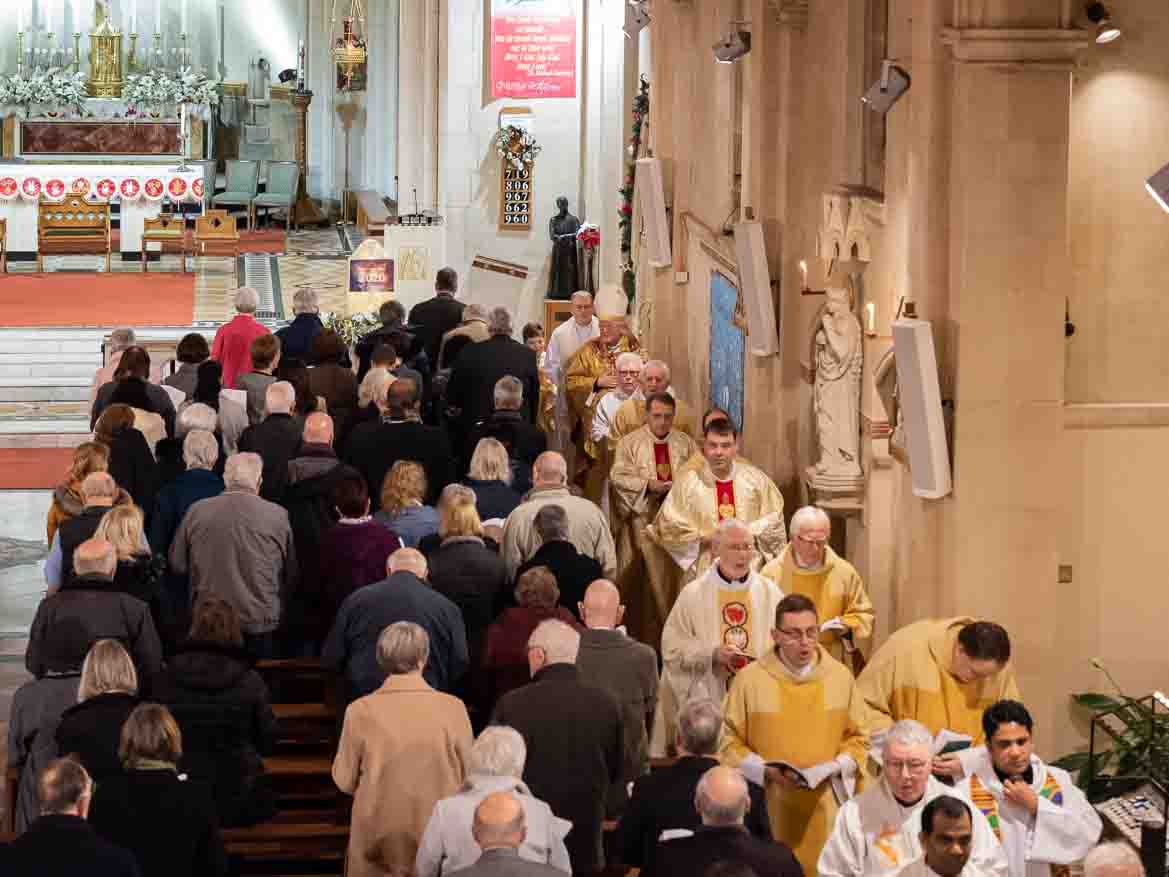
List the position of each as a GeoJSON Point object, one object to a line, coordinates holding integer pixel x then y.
{"type": "Point", "coordinates": [625, 211]}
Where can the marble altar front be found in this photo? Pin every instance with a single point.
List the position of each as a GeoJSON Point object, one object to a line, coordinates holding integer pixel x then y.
{"type": "Point", "coordinates": [61, 138]}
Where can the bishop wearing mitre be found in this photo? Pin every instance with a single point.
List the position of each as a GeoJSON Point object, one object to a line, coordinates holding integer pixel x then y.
{"type": "Point", "coordinates": [723, 487]}
{"type": "Point", "coordinates": [644, 467]}
{"type": "Point", "coordinates": [592, 371]}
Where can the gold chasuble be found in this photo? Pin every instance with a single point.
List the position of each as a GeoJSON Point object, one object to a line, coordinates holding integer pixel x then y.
{"type": "Point", "coordinates": [697, 503]}
{"type": "Point", "coordinates": [837, 590]}
{"type": "Point", "coordinates": [648, 578]}
{"type": "Point", "coordinates": [909, 677]}
{"type": "Point", "coordinates": [772, 715]}
{"type": "Point", "coordinates": [631, 415]}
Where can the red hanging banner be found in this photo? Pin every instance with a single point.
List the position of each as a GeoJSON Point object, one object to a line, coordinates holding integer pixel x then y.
{"type": "Point", "coordinates": [533, 48]}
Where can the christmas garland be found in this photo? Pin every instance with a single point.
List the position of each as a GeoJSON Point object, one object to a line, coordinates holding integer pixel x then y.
{"type": "Point", "coordinates": [517, 146]}
{"type": "Point", "coordinates": [625, 211]}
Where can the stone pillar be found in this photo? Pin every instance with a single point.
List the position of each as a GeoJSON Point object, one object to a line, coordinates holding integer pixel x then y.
{"type": "Point", "coordinates": [418, 97]}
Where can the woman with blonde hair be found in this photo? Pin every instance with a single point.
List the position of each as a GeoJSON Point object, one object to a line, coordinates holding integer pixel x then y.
{"type": "Point", "coordinates": [140, 571]}
{"type": "Point", "coordinates": [167, 820]}
{"type": "Point", "coordinates": [67, 502]}
{"type": "Point", "coordinates": [106, 695]}
{"type": "Point", "coordinates": [404, 509]}
{"type": "Point", "coordinates": [490, 476]}
{"type": "Point", "coordinates": [464, 569]}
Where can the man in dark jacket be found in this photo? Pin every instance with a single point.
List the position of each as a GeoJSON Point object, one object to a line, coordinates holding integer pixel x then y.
{"type": "Point", "coordinates": [403, 596]}
{"type": "Point", "coordinates": [61, 843]}
{"type": "Point", "coordinates": [199, 481]}
{"type": "Point", "coordinates": [524, 440]}
{"type": "Point", "coordinates": [664, 799]}
{"type": "Point", "coordinates": [392, 331]}
{"type": "Point", "coordinates": [276, 439]}
{"type": "Point", "coordinates": [574, 571]}
{"type": "Point", "coordinates": [98, 494]}
{"type": "Point", "coordinates": [103, 612]}
{"type": "Point", "coordinates": [296, 339]}
{"type": "Point", "coordinates": [574, 736]}
{"type": "Point", "coordinates": [372, 448]}
{"type": "Point", "coordinates": [722, 800]}
{"type": "Point", "coordinates": [480, 366]}
{"type": "Point", "coordinates": [433, 318]}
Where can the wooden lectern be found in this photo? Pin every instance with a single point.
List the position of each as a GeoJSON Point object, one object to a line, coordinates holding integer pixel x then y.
{"type": "Point", "coordinates": [305, 210]}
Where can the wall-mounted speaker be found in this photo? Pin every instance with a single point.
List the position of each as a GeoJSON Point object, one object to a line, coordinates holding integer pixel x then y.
{"type": "Point", "coordinates": [755, 283]}
{"type": "Point", "coordinates": [651, 195]}
{"type": "Point", "coordinates": [920, 398]}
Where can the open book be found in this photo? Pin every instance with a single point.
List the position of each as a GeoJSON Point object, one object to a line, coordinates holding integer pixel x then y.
{"type": "Point", "coordinates": [800, 776]}
{"type": "Point", "coordinates": [814, 777]}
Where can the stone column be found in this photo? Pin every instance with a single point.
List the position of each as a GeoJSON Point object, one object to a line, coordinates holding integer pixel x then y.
{"type": "Point", "coordinates": [418, 96]}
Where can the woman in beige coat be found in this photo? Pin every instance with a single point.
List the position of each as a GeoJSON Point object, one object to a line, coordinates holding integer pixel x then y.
{"type": "Point", "coordinates": [402, 749]}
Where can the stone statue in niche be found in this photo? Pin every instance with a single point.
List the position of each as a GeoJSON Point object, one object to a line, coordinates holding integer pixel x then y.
{"type": "Point", "coordinates": [562, 229]}
{"type": "Point", "coordinates": [837, 352]}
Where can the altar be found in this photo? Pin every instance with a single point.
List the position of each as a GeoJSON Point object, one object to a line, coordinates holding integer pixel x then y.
{"type": "Point", "coordinates": [139, 188]}
{"type": "Point", "coordinates": [98, 137]}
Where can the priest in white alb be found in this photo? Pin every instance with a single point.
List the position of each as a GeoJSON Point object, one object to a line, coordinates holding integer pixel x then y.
{"type": "Point", "coordinates": [563, 344]}
{"type": "Point", "coordinates": [877, 833]}
{"type": "Point", "coordinates": [1042, 819]}
{"type": "Point", "coordinates": [720, 622]}
{"type": "Point", "coordinates": [598, 447]}
{"type": "Point", "coordinates": [724, 487]}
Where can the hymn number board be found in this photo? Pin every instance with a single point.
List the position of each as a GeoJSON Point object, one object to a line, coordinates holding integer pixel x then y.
{"type": "Point", "coordinates": [515, 203]}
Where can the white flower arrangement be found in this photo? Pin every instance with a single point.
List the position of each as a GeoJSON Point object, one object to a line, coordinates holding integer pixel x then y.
{"type": "Point", "coordinates": [351, 328]}
{"type": "Point", "coordinates": [55, 88]}
{"type": "Point", "coordinates": [160, 87]}
{"type": "Point", "coordinates": [516, 146]}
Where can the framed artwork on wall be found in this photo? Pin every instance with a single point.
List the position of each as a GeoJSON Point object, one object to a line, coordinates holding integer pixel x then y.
{"type": "Point", "coordinates": [726, 347]}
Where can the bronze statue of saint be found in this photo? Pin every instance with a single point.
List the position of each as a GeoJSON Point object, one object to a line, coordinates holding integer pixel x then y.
{"type": "Point", "coordinates": [562, 229]}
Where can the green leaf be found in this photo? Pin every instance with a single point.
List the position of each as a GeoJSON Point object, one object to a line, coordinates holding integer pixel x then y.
{"type": "Point", "coordinates": [1097, 702]}
{"type": "Point", "coordinates": [1074, 761]}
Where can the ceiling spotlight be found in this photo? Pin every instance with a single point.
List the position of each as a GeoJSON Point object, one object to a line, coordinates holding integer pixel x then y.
{"type": "Point", "coordinates": [887, 90]}
{"type": "Point", "coordinates": [1158, 186]}
{"type": "Point", "coordinates": [636, 18]}
{"type": "Point", "coordinates": [733, 46]}
{"type": "Point", "coordinates": [1106, 31]}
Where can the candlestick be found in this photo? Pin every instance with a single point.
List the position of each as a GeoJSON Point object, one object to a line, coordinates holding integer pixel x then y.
{"type": "Point", "coordinates": [20, 49]}
{"type": "Point", "coordinates": [76, 52]}
{"type": "Point", "coordinates": [871, 319]}
{"type": "Point", "coordinates": [132, 59]}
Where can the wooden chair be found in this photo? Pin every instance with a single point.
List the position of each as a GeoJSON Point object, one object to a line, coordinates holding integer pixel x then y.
{"type": "Point", "coordinates": [72, 227]}
{"type": "Point", "coordinates": [217, 229]}
{"type": "Point", "coordinates": [3, 246]}
{"type": "Point", "coordinates": [166, 230]}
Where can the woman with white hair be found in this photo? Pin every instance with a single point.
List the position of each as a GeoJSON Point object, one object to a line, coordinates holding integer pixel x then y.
{"type": "Point", "coordinates": [403, 748]}
{"type": "Point", "coordinates": [496, 765]}
{"type": "Point", "coordinates": [232, 346]}
{"type": "Point", "coordinates": [296, 339]}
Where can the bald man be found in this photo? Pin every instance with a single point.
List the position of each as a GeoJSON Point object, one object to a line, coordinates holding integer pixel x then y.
{"type": "Point", "coordinates": [276, 438]}
{"type": "Point", "coordinates": [499, 829]}
{"type": "Point", "coordinates": [628, 670]}
{"type": "Point", "coordinates": [722, 800]}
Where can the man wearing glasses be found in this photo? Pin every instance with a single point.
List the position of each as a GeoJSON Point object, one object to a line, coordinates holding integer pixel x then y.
{"type": "Point", "coordinates": [809, 566]}
{"type": "Point", "coordinates": [877, 832]}
{"type": "Point", "coordinates": [793, 723]}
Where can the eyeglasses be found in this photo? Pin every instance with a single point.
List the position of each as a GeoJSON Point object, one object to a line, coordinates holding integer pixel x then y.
{"type": "Point", "coordinates": [910, 767]}
{"type": "Point", "coordinates": [810, 635]}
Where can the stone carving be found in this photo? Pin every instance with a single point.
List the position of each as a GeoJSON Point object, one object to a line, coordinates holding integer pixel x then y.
{"type": "Point", "coordinates": [837, 354]}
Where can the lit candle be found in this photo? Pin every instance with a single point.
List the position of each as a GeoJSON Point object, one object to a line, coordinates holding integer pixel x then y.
{"type": "Point", "coordinates": [20, 16]}
{"type": "Point", "coordinates": [133, 16]}
{"type": "Point", "coordinates": [871, 318]}
{"type": "Point", "coordinates": [803, 274]}
{"type": "Point", "coordinates": [158, 16]}
{"type": "Point", "coordinates": [48, 17]}
{"type": "Point", "coordinates": [76, 16]}
{"type": "Point", "coordinates": [183, 18]}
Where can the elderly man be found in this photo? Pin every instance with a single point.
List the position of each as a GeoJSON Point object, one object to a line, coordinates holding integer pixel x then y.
{"type": "Point", "coordinates": [563, 344]}
{"type": "Point", "coordinates": [598, 446]}
{"type": "Point", "coordinates": [239, 546]}
{"type": "Point", "coordinates": [947, 837]}
{"type": "Point", "coordinates": [573, 571]}
{"type": "Point", "coordinates": [588, 528]}
{"type": "Point", "coordinates": [198, 481]}
{"type": "Point", "coordinates": [496, 765]}
{"type": "Point", "coordinates": [645, 465]}
{"type": "Point", "coordinates": [296, 339]}
{"type": "Point", "coordinates": [373, 448]}
{"type": "Point", "coordinates": [89, 607]}
{"type": "Point", "coordinates": [480, 366]}
{"type": "Point", "coordinates": [392, 331]}
{"type": "Point", "coordinates": [433, 318]}
{"type": "Point", "coordinates": [471, 330]}
{"type": "Point", "coordinates": [725, 487]}
{"type": "Point", "coordinates": [1113, 859]}
{"type": "Point", "coordinates": [403, 595]}
{"type": "Point", "coordinates": [98, 493]}
{"type": "Point", "coordinates": [878, 832]}
{"type": "Point", "coordinates": [524, 440]}
{"type": "Point", "coordinates": [276, 438]}
{"type": "Point", "coordinates": [719, 624]}
{"type": "Point", "coordinates": [793, 726]}
{"type": "Point", "coordinates": [625, 668]}
{"type": "Point", "coordinates": [809, 566]}
{"type": "Point", "coordinates": [1043, 821]}
{"type": "Point", "coordinates": [944, 673]}
{"type": "Point", "coordinates": [592, 371]}
{"type": "Point", "coordinates": [403, 748]}
{"type": "Point", "coordinates": [232, 346]}
{"type": "Point", "coordinates": [120, 341]}
{"type": "Point", "coordinates": [663, 801]}
{"type": "Point", "coordinates": [574, 734]}
{"type": "Point", "coordinates": [655, 378]}
{"type": "Point", "coordinates": [722, 800]}
{"type": "Point", "coordinates": [61, 842]}
{"type": "Point", "coordinates": [500, 827]}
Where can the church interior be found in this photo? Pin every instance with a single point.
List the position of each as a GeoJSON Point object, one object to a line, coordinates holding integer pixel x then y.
{"type": "Point", "coordinates": [909, 245]}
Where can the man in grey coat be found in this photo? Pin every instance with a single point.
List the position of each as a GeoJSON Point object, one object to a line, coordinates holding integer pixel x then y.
{"type": "Point", "coordinates": [499, 829]}
{"type": "Point", "coordinates": [239, 547]}
{"type": "Point", "coordinates": [627, 669]}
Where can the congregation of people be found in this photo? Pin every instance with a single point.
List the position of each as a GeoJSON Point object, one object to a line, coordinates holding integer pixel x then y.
{"type": "Point", "coordinates": [556, 597]}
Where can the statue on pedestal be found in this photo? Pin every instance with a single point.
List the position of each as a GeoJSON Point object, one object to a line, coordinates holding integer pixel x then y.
{"type": "Point", "coordinates": [562, 229]}
{"type": "Point", "coordinates": [837, 353]}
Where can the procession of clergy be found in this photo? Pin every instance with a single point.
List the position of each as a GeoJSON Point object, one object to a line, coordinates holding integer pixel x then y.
{"type": "Point", "coordinates": [770, 628]}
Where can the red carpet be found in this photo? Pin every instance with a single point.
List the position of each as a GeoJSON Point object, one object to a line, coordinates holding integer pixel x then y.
{"type": "Point", "coordinates": [33, 468]}
{"type": "Point", "coordinates": [65, 299]}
